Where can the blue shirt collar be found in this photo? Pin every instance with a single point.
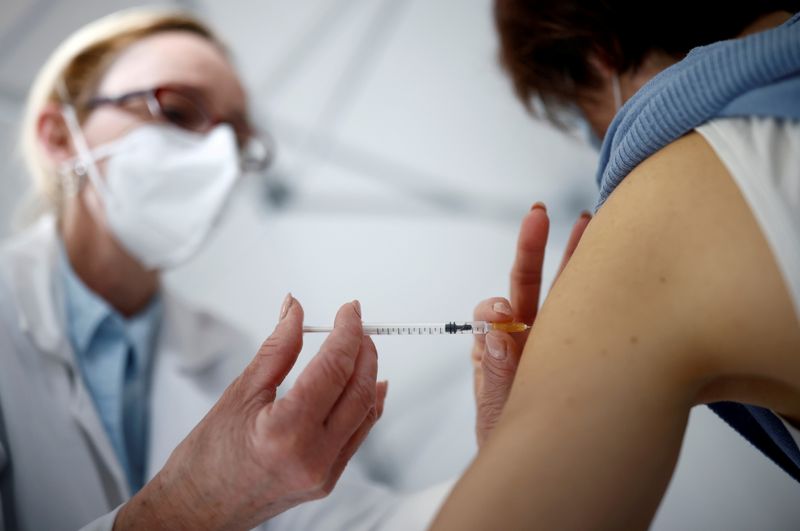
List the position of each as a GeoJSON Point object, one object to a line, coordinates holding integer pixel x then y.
{"type": "Point", "coordinates": [86, 312]}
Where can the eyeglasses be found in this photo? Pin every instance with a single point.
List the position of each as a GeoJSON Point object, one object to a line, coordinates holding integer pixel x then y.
{"type": "Point", "coordinates": [185, 107]}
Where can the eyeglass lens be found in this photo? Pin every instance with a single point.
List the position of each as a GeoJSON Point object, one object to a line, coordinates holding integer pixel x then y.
{"type": "Point", "coordinates": [182, 111]}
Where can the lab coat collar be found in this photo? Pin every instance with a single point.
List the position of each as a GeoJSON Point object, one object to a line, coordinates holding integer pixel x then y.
{"type": "Point", "coordinates": [28, 264]}
{"type": "Point", "coordinates": [30, 261]}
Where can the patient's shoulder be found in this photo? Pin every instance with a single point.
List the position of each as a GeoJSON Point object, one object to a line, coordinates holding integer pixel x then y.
{"type": "Point", "coordinates": [682, 205]}
{"type": "Point", "coordinates": [680, 242]}
{"type": "Point", "coordinates": [682, 175]}
{"type": "Point", "coordinates": [673, 203]}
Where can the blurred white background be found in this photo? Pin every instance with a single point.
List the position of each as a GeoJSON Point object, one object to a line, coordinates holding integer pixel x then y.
{"type": "Point", "coordinates": [408, 165]}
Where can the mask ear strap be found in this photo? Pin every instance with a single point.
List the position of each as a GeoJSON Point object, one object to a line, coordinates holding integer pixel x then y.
{"type": "Point", "coordinates": [85, 158]}
{"type": "Point", "coordinates": [615, 88]}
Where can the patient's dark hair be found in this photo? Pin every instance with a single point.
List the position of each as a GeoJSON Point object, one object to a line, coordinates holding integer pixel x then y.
{"type": "Point", "coordinates": [545, 44]}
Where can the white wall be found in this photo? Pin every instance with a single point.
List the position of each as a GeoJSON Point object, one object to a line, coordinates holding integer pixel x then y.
{"type": "Point", "coordinates": [409, 165]}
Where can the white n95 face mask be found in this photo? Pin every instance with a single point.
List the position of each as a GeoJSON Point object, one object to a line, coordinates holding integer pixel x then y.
{"type": "Point", "coordinates": [164, 188]}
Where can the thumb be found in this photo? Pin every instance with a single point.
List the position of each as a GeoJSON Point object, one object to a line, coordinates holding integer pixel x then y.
{"type": "Point", "coordinates": [279, 351]}
{"type": "Point", "coordinates": [499, 365]}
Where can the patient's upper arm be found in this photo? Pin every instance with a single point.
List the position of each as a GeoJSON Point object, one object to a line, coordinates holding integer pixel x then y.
{"type": "Point", "coordinates": [673, 277]}
{"type": "Point", "coordinates": [671, 298]}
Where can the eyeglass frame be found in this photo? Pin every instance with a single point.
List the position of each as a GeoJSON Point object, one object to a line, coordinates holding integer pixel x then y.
{"type": "Point", "coordinates": [242, 128]}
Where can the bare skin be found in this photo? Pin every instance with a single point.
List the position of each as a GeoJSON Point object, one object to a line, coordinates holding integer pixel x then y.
{"type": "Point", "coordinates": [614, 387]}
{"type": "Point", "coordinates": [495, 357]}
{"type": "Point", "coordinates": [594, 423]}
{"type": "Point", "coordinates": [254, 456]}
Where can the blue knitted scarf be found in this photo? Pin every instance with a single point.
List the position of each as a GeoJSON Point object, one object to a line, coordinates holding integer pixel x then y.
{"type": "Point", "coordinates": [757, 75]}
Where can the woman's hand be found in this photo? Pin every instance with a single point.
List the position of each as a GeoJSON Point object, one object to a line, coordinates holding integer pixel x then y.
{"type": "Point", "coordinates": [253, 456]}
{"type": "Point", "coordinates": [495, 357]}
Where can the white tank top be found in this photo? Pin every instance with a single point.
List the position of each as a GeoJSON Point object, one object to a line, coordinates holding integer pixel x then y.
{"type": "Point", "coordinates": [763, 157]}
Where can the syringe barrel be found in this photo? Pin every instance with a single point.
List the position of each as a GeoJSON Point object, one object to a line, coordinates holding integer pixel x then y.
{"type": "Point", "coordinates": [419, 329]}
{"type": "Point", "coordinates": [415, 329]}
{"type": "Point", "coordinates": [404, 329]}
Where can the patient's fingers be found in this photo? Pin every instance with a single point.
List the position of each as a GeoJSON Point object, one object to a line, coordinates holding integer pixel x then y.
{"type": "Point", "coordinates": [498, 366]}
{"type": "Point", "coordinates": [495, 309]}
{"type": "Point", "coordinates": [526, 273]}
{"type": "Point", "coordinates": [574, 238]}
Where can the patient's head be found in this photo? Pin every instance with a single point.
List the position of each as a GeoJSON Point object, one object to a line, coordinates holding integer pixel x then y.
{"type": "Point", "coordinates": [590, 56]}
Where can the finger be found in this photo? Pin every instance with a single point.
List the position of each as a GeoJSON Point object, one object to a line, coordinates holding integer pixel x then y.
{"type": "Point", "coordinates": [322, 382]}
{"type": "Point", "coordinates": [477, 374]}
{"type": "Point", "coordinates": [499, 364]}
{"type": "Point", "coordinates": [499, 367]}
{"type": "Point", "coordinates": [381, 390]}
{"type": "Point", "coordinates": [495, 309]}
{"type": "Point", "coordinates": [278, 353]}
{"type": "Point", "coordinates": [574, 239]}
{"type": "Point", "coordinates": [526, 273]}
{"type": "Point", "coordinates": [358, 398]}
{"type": "Point", "coordinates": [351, 447]}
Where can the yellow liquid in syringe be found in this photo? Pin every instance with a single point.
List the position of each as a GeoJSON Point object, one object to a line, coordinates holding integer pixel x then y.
{"type": "Point", "coordinates": [511, 328]}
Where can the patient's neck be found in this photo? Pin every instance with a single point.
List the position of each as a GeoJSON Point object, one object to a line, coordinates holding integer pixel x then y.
{"type": "Point", "coordinates": [765, 22]}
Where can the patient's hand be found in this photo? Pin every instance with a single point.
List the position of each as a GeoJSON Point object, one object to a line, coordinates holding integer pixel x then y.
{"type": "Point", "coordinates": [495, 357]}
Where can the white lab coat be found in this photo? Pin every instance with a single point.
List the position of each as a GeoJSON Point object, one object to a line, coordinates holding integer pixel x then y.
{"type": "Point", "coordinates": [65, 472]}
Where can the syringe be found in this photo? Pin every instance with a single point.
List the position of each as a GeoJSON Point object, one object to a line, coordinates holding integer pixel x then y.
{"type": "Point", "coordinates": [424, 329]}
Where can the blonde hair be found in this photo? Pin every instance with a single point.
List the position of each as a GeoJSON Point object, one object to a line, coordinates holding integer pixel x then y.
{"type": "Point", "coordinates": [80, 63]}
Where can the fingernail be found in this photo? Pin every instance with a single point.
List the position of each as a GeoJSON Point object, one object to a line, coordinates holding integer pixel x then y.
{"type": "Point", "coordinates": [586, 214]}
{"type": "Point", "coordinates": [287, 303]}
{"type": "Point", "coordinates": [539, 204]}
{"type": "Point", "coordinates": [502, 308]}
{"type": "Point", "coordinates": [357, 306]}
{"type": "Point", "coordinates": [496, 347]}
